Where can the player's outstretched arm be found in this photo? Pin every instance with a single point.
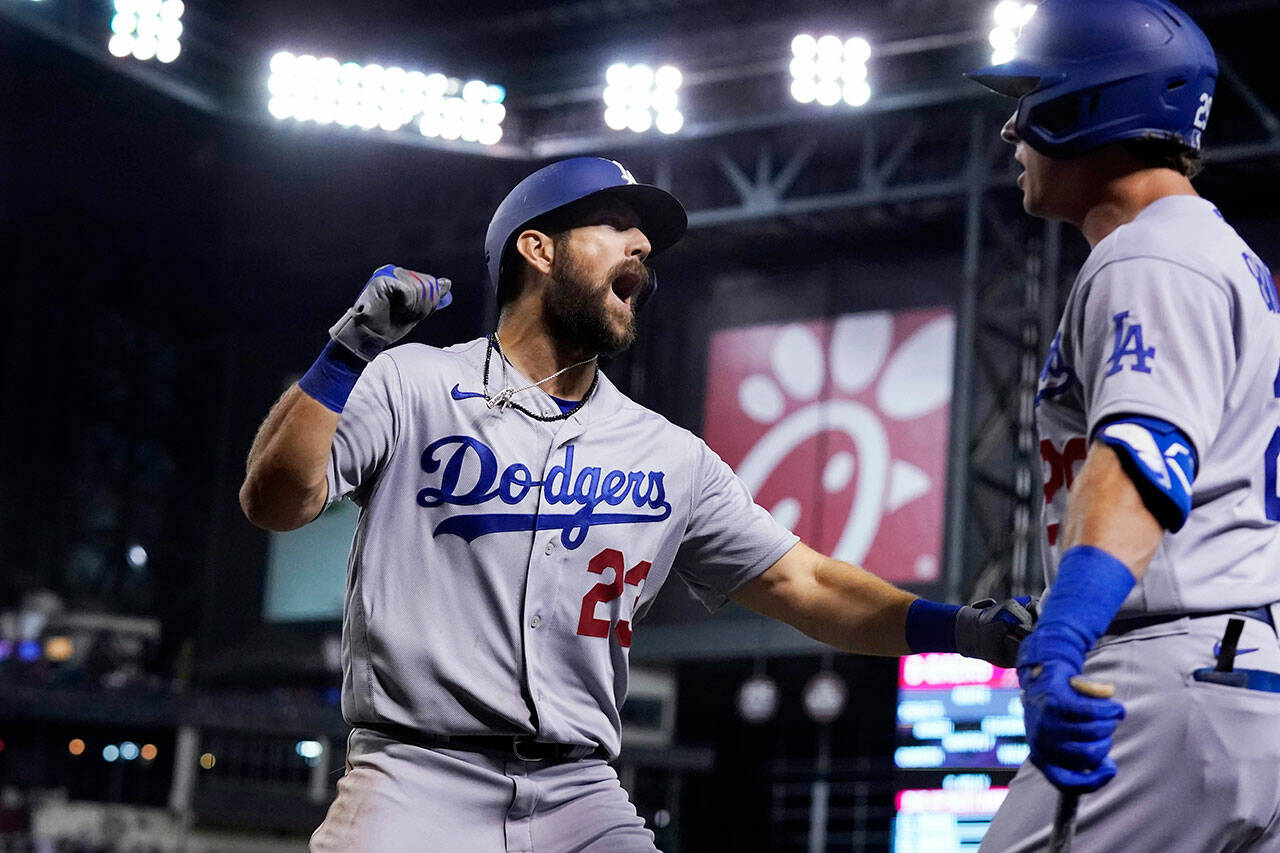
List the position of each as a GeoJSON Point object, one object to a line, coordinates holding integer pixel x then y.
{"type": "Point", "coordinates": [285, 482]}
{"type": "Point", "coordinates": [848, 607]}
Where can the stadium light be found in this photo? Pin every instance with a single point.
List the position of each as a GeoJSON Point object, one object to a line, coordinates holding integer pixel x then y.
{"type": "Point", "coordinates": [637, 98]}
{"type": "Point", "coordinates": [1010, 17]}
{"type": "Point", "coordinates": [829, 70]}
{"type": "Point", "coordinates": [326, 91]}
{"type": "Point", "coordinates": [147, 29]}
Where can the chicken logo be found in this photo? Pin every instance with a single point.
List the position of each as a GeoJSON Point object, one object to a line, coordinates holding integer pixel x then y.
{"type": "Point", "coordinates": [839, 428]}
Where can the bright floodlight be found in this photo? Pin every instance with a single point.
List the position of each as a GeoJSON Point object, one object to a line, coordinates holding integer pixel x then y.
{"type": "Point", "coordinates": [637, 97]}
{"type": "Point", "coordinates": [828, 70]}
{"type": "Point", "coordinates": [1010, 16]}
{"type": "Point", "coordinates": [147, 30]}
{"type": "Point", "coordinates": [326, 91]}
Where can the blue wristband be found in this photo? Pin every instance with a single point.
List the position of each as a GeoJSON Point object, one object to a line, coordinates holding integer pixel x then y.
{"type": "Point", "coordinates": [1088, 591]}
{"type": "Point", "coordinates": [332, 376]}
{"type": "Point", "coordinates": [931, 626]}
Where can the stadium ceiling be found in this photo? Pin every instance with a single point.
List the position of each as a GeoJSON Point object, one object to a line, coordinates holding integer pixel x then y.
{"type": "Point", "coordinates": [551, 58]}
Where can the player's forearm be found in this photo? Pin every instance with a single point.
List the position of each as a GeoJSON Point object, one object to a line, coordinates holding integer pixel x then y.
{"type": "Point", "coordinates": [1106, 511]}
{"type": "Point", "coordinates": [285, 482]}
{"type": "Point", "coordinates": [831, 601]}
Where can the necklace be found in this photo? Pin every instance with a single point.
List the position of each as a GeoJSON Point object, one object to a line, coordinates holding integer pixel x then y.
{"type": "Point", "coordinates": [504, 399]}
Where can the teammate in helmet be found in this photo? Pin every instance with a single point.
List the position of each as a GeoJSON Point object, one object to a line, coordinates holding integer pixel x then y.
{"type": "Point", "coordinates": [1163, 548]}
{"type": "Point", "coordinates": [518, 516]}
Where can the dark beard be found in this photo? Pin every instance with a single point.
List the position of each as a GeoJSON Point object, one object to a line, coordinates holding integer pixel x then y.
{"type": "Point", "coordinates": [575, 311]}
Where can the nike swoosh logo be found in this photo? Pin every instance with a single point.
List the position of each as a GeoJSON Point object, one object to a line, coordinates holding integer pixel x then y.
{"type": "Point", "coordinates": [462, 395]}
{"type": "Point", "coordinates": [1217, 650]}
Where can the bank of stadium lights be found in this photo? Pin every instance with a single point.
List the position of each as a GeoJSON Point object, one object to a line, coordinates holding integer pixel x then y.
{"type": "Point", "coordinates": [830, 70]}
{"type": "Point", "coordinates": [326, 91]}
{"type": "Point", "coordinates": [147, 29]}
{"type": "Point", "coordinates": [1010, 16]}
{"type": "Point", "coordinates": [637, 98]}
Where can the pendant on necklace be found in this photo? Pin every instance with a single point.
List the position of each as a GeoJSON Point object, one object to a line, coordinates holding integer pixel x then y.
{"type": "Point", "coordinates": [502, 399]}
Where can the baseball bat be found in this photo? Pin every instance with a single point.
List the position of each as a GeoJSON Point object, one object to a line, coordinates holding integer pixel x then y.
{"type": "Point", "coordinates": [1064, 820]}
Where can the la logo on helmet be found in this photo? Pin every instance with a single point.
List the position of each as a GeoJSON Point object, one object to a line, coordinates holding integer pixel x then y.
{"type": "Point", "coordinates": [626, 176]}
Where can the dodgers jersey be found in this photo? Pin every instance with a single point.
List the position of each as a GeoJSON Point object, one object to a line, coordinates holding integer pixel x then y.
{"type": "Point", "coordinates": [499, 562]}
{"type": "Point", "coordinates": [1174, 317]}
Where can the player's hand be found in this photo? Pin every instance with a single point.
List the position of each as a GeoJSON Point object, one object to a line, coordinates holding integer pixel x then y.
{"type": "Point", "coordinates": [393, 301]}
{"type": "Point", "coordinates": [1069, 731]}
{"type": "Point", "coordinates": [992, 631]}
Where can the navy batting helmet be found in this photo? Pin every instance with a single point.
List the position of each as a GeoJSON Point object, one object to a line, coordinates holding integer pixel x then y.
{"type": "Point", "coordinates": [1090, 72]}
{"type": "Point", "coordinates": [662, 218]}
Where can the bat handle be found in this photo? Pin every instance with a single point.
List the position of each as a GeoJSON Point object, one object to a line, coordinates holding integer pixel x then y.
{"type": "Point", "coordinates": [1064, 820]}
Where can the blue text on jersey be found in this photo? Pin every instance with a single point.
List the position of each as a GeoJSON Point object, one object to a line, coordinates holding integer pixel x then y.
{"type": "Point", "coordinates": [1129, 345]}
{"type": "Point", "coordinates": [591, 487]}
{"type": "Point", "coordinates": [1266, 283]}
{"type": "Point", "coordinates": [1056, 377]}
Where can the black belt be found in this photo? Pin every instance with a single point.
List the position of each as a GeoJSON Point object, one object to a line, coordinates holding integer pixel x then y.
{"type": "Point", "coordinates": [523, 747]}
{"type": "Point", "coordinates": [1126, 624]}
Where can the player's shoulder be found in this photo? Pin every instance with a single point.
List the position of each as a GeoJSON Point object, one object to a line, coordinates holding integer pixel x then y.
{"type": "Point", "coordinates": [413, 355]}
{"type": "Point", "coordinates": [1183, 230]}
{"type": "Point", "coordinates": [638, 415]}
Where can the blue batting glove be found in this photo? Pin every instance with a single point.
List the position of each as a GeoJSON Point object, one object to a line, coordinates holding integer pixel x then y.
{"type": "Point", "coordinates": [1069, 733]}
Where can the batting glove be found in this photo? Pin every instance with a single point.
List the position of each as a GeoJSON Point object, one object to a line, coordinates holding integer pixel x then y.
{"type": "Point", "coordinates": [393, 301]}
{"type": "Point", "coordinates": [1069, 733]}
{"type": "Point", "coordinates": [992, 631]}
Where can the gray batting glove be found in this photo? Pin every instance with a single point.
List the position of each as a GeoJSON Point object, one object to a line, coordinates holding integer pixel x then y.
{"type": "Point", "coordinates": [992, 631]}
{"type": "Point", "coordinates": [392, 303]}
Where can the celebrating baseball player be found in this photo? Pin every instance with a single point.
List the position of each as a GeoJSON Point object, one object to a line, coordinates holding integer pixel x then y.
{"type": "Point", "coordinates": [1159, 418]}
{"type": "Point", "coordinates": [518, 516]}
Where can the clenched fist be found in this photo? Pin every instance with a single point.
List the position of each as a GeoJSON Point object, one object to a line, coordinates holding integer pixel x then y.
{"type": "Point", "coordinates": [393, 301]}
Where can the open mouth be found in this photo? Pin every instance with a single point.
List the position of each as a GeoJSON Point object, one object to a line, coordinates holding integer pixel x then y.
{"type": "Point", "coordinates": [628, 284]}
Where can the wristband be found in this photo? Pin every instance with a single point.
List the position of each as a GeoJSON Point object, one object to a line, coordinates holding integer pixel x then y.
{"type": "Point", "coordinates": [332, 376]}
{"type": "Point", "coordinates": [931, 626]}
{"type": "Point", "coordinates": [1088, 591]}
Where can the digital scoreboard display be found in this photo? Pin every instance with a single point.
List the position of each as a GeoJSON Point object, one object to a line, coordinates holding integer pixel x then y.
{"type": "Point", "coordinates": [960, 740]}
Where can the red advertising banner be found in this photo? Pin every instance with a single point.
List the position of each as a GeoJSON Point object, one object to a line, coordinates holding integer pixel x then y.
{"type": "Point", "coordinates": [839, 428]}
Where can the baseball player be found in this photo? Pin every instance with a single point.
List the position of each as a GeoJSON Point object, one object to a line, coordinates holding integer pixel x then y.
{"type": "Point", "coordinates": [1159, 418]}
{"type": "Point", "coordinates": [518, 516]}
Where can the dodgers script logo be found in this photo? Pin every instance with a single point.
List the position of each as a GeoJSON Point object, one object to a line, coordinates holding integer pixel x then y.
{"type": "Point", "coordinates": [838, 427]}
{"type": "Point", "coordinates": [459, 458]}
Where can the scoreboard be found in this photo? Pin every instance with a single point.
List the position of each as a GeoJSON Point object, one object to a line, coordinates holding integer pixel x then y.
{"type": "Point", "coordinates": [960, 740]}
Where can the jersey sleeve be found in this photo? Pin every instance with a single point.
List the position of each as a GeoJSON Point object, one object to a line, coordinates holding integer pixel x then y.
{"type": "Point", "coordinates": [729, 539]}
{"type": "Point", "coordinates": [367, 431]}
{"type": "Point", "coordinates": [1156, 339]}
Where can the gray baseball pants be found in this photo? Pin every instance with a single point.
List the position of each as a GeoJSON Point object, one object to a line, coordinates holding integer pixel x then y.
{"type": "Point", "coordinates": [1199, 763]}
{"type": "Point", "coordinates": [396, 797]}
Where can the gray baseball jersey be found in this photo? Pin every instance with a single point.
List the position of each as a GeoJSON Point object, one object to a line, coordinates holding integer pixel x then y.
{"type": "Point", "coordinates": [500, 562]}
{"type": "Point", "coordinates": [1174, 317]}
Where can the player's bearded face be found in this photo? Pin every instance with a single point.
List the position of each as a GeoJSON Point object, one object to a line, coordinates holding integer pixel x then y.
{"type": "Point", "coordinates": [592, 312]}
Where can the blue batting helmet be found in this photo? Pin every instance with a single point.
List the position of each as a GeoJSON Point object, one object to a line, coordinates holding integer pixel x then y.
{"type": "Point", "coordinates": [1090, 72]}
{"type": "Point", "coordinates": [662, 218]}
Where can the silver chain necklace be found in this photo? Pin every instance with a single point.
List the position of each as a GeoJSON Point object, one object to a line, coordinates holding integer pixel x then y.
{"type": "Point", "coordinates": [504, 399]}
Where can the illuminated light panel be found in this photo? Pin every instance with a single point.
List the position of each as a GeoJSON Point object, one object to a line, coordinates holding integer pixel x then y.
{"type": "Point", "coordinates": [1010, 17]}
{"type": "Point", "coordinates": [59, 649]}
{"type": "Point", "coordinates": [147, 29]}
{"type": "Point", "coordinates": [76, 746]}
{"type": "Point", "coordinates": [638, 98]}
{"type": "Point", "coordinates": [372, 97]}
{"type": "Point", "coordinates": [149, 752]}
{"type": "Point", "coordinates": [829, 70]}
